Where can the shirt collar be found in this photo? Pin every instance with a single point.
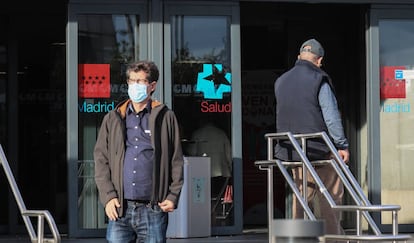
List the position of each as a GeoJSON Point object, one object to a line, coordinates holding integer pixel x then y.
{"type": "Point", "coordinates": [146, 109]}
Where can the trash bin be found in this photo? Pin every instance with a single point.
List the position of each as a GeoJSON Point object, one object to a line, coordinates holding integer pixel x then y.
{"type": "Point", "coordinates": [297, 230]}
{"type": "Point", "coordinates": [192, 218]}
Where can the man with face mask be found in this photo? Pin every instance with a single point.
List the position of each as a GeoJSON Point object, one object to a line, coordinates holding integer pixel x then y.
{"type": "Point", "coordinates": [139, 161]}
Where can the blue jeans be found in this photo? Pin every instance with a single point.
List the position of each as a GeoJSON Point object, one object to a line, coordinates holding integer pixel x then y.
{"type": "Point", "coordinates": [141, 224]}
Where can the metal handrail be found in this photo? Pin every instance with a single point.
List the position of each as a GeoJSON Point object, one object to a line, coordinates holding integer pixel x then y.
{"type": "Point", "coordinates": [26, 214]}
{"type": "Point", "coordinates": [363, 205]}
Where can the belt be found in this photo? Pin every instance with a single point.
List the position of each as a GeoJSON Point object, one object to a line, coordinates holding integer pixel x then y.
{"type": "Point", "coordinates": [146, 202]}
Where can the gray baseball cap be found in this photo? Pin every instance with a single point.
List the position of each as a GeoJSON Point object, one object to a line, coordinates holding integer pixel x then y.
{"type": "Point", "coordinates": [313, 46]}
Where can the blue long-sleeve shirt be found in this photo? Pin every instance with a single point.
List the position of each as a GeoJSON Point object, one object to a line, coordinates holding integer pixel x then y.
{"type": "Point", "coordinates": [138, 163]}
{"type": "Point", "coordinates": [331, 116]}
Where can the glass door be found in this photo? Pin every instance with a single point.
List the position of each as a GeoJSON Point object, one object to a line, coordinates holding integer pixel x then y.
{"type": "Point", "coordinates": [392, 72]}
{"type": "Point", "coordinates": [102, 40]}
{"type": "Point", "coordinates": [201, 59]}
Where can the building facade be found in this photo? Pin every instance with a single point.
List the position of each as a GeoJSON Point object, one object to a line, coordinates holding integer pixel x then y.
{"type": "Point", "coordinates": [62, 68]}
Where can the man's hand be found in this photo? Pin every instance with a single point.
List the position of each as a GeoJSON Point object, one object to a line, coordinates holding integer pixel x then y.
{"type": "Point", "coordinates": [166, 206]}
{"type": "Point", "coordinates": [111, 209]}
{"type": "Point", "coordinates": [344, 153]}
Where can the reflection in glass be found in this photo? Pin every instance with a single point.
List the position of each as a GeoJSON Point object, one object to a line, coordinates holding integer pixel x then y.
{"type": "Point", "coordinates": [3, 79]}
{"type": "Point", "coordinates": [103, 39]}
{"type": "Point", "coordinates": [202, 99]}
{"type": "Point", "coordinates": [396, 38]}
{"type": "Point", "coordinates": [3, 122]}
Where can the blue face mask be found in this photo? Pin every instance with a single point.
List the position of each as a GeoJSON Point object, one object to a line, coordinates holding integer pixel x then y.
{"type": "Point", "coordinates": [137, 92]}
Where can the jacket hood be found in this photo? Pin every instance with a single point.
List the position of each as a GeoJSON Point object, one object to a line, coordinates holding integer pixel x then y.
{"type": "Point", "coordinates": [122, 106]}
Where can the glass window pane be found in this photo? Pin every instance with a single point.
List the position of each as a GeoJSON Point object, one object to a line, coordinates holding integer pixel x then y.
{"type": "Point", "coordinates": [396, 119]}
{"type": "Point", "coordinates": [107, 43]}
{"type": "Point", "coordinates": [202, 98]}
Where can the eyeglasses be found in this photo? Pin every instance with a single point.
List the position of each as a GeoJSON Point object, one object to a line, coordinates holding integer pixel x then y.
{"type": "Point", "coordinates": [138, 81]}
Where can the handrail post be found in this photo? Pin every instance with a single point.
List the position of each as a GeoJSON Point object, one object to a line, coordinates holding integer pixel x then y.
{"type": "Point", "coordinates": [394, 222]}
{"type": "Point", "coordinates": [270, 202]}
{"type": "Point", "coordinates": [358, 222]}
{"type": "Point", "coordinates": [304, 178]}
{"type": "Point", "coordinates": [270, 189]}
{"type": "Point", "coordinates": [40, 228]}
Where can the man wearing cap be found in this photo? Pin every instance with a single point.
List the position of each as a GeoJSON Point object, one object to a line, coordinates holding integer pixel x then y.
{"type": "Point", "coordinates": [306, 103]}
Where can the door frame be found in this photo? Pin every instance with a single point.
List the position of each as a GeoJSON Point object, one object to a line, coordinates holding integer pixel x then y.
{"type": "Point", "coordinates": [232, 10]}
{"type": "Point", "coordinates": [76, 8]}
{"type": "Point", "coordinates": [152, 46]}
{"type": "Point", "coordinates": [378, 12]}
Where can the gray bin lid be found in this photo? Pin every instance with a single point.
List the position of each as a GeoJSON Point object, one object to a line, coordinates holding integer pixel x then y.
{"type": "Point", "coordinates": [298, 228]}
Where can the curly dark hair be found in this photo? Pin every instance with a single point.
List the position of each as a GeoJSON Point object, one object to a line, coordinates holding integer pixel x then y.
{"type": "Point", "coordinates": [149, 67]}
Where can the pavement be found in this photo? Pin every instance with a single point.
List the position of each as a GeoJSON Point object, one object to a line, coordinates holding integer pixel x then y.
{"type": "Point", "coordinates": [248, 236]}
